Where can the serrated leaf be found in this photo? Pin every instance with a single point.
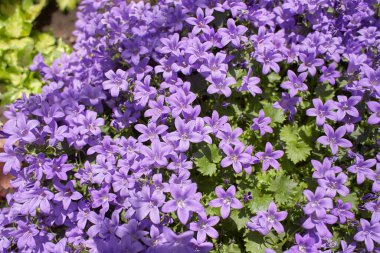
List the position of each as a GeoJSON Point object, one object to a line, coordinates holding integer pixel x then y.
{"type": "Point", "coordinates": [229, 248]}
{"type": "Point", "coordinates": [324, 91]}
{"type": "Point", "coordinates": [276, 115]}
{"type": "Point", "coordinates": [287, 134]}
{"type": "Point", "coordinates": [296, 148]}
{"type": "Point", "coordinates": [240, 217]}
{"type": "Point", "coordinates": [205, 167]}
{"type": "Point", "coordinates": [297, 151]}
{"type": "Point", "coordinates": [283, 188]}
{"type": "Point", "coordinates": [254, 243]}
{"type": "Point", "coordinates": [260, 202]}
{"type": "Point", "coordinates": [206, 159]}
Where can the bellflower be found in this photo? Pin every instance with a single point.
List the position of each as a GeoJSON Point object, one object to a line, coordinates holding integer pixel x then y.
{"type": "Point", "coordinates": [269, 157]}
{"type": "Point", "coordinates": [226, 200]}
{"type": "Point", "coordinates": [334, 138]}
{"type": "Point", "coordinates": [368, 232]}
{"type": "Point", "coordinates": [262, 123]}
{"type": "Point", "coordinates": [184, 202]}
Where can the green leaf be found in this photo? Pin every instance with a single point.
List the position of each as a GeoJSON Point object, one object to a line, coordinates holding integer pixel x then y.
{"type": "Point", "coordinates": [276, 115]}
{"type": "Point", "coordinates": [229, 248]}
{"type": "Point", "coordinates": [260, 202]}
{"type": "Point", "coordinates": [67, 4]}
{"type": "Point", "coordinates": [206, 159]}
{"type": "Point", "coordinates": [283, 188]}
{"type": "Point", "coordinates": [254, 243]}
{"type": "Point", "coordinates": [296, 148]}
{"type": "Point", "coordinates": [324, 91]}
{"type": "Point", "coordinates": [240, 217]}
{"type": "Point", "coordinates": [297, 151]}
{"type": "Point", "coordinates": [287, 134]}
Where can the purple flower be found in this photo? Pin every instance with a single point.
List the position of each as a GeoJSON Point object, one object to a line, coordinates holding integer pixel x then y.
{"type": "Point", "coordinates": [116, 82]}
{"type": "Point", "coordinates": [374, 207]}
{"type": "Point", "coordinates": [143, 92]}
{"type": "Point", "coordinates": [57, 134]}
{"type": "Point", "coordinates": [334, 184]}
{"type": "Point", "coordinates": [12, 158]}
{"type": "Point", "coordinates": [320, 224]}
{"type": "Point", "coordinates": [184, 202]}
{"type": "Point", "coordinates": [20, 128]}
{"type": "Point", "coordinates": [89, 123]}
{"type": "Point", "coordinates": [322, 168]}
{"type": "Point", "coordinates": [215, 66]}
{"type": "Point", "coordinates": [228, 136]}
{"type": "Point", "coordinates": [269, 157]}
{"type": "Point", "coordinates": [102, 198]}
{"type": "Point", "coordinates": [375, 177]}
{"type": "Point", "coordinates": [362, 168]}
{"type": "Point", "coordinates": [374, 107]}
{"type": "Point", "coordinates": [318, 202]}
{"type": "Point", "coordinates": [204, 227]}
{"type": "Point", "coordinates": [309, 63]}
{"type": "Point", "coordinates": [235, 156]}
{"type": "Point", "coordinates": [150, 132]}
{"type": "Point", "coordinates": [262, 123]}
{"type": "Point", "coordinates": [147, 202]}
{"type": "Point", "coordinates": [368, 232]}
{"type": "Point", "coordinates": [172, 45]}
{"type": "Point", "coordinates": [295, 83]}
{"type": "Point", "coordinates": [329, 74]}
{"type": "Point", "coordinates": [26, 235]}
{"type": "Point", "coordinates": [287, 103]}
{"type": "Point", "coordinates": [221, 86]}
{"type": "Point", "coordinates": [305, 243]}
{"type": "Point", "coordinates": [347, 248]}
{"type": "Point", "coordinates": [201, 21]}
{"type": "Point", "coordinates": [216, 122]}
{"type": "Point", "coordinates": [250, 84]}
{"type": "Point", "coordinates": [321, 111]}
{"type": "Point", "coordinates": [334, 138]}
{"type": "Point", "coordinates": [176, 243]}
{"type": "Point", "coordinates": [342, 211]}
{"type": "Point", "coordinates": [347, 106]}
{"type": "Point", "coordinates": [57, 167]}
{"type": "Point", "coordinates": [185, 134]}
{"type": "Point", "coordinates": [156, 154]}
{"type": "Point", "coordinates": [265, 221]}
{"type": "Point", "coordinates": [66, 193]}
{"type": "Point", "coordinates": [49, 113]}
{"type": "Point", "coordinates": [233, 33]}
{"type": "Point", "coordinates": [226, 200]}
{"type": "Point", "coordinates": [269, 60]}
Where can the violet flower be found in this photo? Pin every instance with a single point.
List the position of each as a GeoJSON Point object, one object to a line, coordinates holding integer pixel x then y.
{"type": "Point", "coordinates": [226, 200]}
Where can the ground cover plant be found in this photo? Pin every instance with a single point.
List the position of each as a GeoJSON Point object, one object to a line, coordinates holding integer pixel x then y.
{"type": "Point", "coordinates": [197, 126]}
{"type": "Point", "coordinates": [20, 42]}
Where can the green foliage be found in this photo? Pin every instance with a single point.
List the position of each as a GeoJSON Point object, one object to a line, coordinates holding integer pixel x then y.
{"type": "Point", "coordinates": [206, 159]}
{"type": "Point", "coordinates": [67, 4]}
{"type": "Point", "coordinates": [283, 188]}
{"type": "Point", "coordinates": [296, 148]}
{"type": "Point", "coordinates": [19, 44]}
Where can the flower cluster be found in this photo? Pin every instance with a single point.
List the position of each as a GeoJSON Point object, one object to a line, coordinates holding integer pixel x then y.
{"type": "Point", "coordinates": [165, 116]}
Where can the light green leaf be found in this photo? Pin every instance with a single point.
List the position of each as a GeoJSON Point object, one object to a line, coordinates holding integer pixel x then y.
{"type": "Point", "coordinates": [206, 159]}
{"type": "Point", "coordinates": [276, 115]}
{"type": "Point", "coordinates": [297, 151]}
{"type": "Point", "coordinates": [283, 188]}
{"type": "Point", "coordinates": [254, 243]}
{"type": "Point", "coordinates": [240, 217]}
{"type": "Point", "coordinates": [260, 202]}
{"type": "Point", "coordinates": [67, 4]}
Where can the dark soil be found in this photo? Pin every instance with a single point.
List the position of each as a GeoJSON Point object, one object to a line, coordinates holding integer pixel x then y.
{"type": "Point", "coordinates": [60, 24]}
